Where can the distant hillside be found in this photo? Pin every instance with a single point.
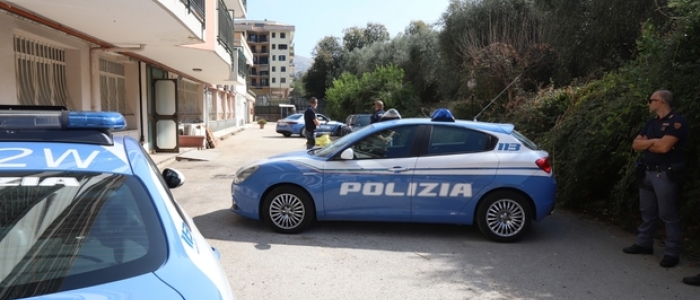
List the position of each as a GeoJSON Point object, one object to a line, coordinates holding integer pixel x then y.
{"type": "Point", "coordinates": [301, 63]}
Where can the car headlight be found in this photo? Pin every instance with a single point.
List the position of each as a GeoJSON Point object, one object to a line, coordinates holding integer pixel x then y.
{"type": "Point", "coordinates": [242, 174]}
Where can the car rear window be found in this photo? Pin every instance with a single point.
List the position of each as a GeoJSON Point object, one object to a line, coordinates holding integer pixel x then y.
{"type": "Point", "coordinates": [68, 230]}
{"type": "Point", "coordinates": [363, 120]}
{"type": "Point", "coordinates": [294, 117]}
{"type": "Point", "coordinates": [523, 139]}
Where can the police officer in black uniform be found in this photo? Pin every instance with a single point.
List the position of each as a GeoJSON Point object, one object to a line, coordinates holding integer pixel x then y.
{"type": "Point", "coordinates": [310, 123]}
{"type": "Point", "coordinates": [662, 140]}
{"type": "Point", "coordinates": [378, 112]}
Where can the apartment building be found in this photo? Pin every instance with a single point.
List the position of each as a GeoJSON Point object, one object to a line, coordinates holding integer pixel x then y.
{"type": "Point", "coordinates": [171, 67]}
{"type": "Point", "coordinates": [272, 44]}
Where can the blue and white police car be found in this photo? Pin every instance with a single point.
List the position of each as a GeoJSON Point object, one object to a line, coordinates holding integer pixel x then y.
{"type": "Point", "coordinates": [432, 170]}
{"type": "Point", "coordinates": [85, 214]}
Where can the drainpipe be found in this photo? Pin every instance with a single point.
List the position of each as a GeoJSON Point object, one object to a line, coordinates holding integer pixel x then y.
{"type": "Point", "coordinates": [95, 104]}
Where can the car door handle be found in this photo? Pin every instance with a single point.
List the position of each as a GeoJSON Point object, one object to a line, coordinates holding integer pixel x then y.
{"type": "Point", "coordinates": [397, 169]}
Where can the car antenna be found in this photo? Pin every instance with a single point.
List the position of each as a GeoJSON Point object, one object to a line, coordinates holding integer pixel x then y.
{"type": "Point", "coordinates": [499, 94]}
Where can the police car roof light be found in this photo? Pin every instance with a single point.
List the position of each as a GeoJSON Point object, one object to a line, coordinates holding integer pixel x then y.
{"type": "Point", "coordinates": [61, 120]}
{"type": "Point", "coordinates": [95, 120]}
{"type": "Point", "coordinates": [442, 115]}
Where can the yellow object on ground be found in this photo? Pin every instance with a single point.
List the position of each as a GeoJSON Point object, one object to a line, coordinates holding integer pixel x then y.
{"type": "Point", "coordinates": [323, 140]}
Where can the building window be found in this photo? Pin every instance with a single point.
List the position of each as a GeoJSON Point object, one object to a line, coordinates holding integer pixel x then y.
{"type": "Point", "coordinates": [274, 79]}
{"type": "Point", "coordinates": [282, 69]}
{"type": "Point", "coordinates": [274, 68]}
{"type": "Point", "coordinates": [274, 46]}
{"type": "Point", "coordinates": [253, 82]}
{"type": "Point", "coordinates": [283, 80]}
{"type": "Point", "coordinates": [283, 47]}
{"type": "Point", "coordinates": [273, 35]}
{"type": "Point", "coordinates": [274, 57]}
{"type": "Point", "coordinates": [112, 86]}
{"type": "Point", "coordinates": [282, 58]}
{"type": "Point", "coordinates": [189, 107]}
{"type": "Point", "coordinates": [283, 35]}
{"type": "Point", "coordinates": [41, 73]}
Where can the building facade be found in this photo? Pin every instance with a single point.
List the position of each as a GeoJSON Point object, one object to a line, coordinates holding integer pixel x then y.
{"type": "Point", "coordinates": [171, 67]}
{"type": "Point", "coordinates": [272, 44]}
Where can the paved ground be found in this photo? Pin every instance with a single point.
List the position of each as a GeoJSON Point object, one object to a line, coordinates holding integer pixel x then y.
{"type": "Point", "coordinates": [563, 257]}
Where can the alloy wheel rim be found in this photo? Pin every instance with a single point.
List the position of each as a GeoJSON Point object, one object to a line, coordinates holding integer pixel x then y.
{"type": "Point", "coordinates": [505, 217]}
{"type": "Point", "coordinates": [287, 211]}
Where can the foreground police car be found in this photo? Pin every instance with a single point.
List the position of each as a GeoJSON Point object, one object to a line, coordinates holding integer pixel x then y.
{"type": "Point", "coordinates": [88, 215]}
{"type": "Point", "coordinates": [435, 170]}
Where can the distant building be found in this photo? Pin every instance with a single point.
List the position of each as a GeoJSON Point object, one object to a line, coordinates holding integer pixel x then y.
{"type": "Point", "coordinates": [272, 44]}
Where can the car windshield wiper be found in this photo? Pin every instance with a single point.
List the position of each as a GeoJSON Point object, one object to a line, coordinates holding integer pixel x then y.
{"type": "Point", "coordinates": [312, 151]}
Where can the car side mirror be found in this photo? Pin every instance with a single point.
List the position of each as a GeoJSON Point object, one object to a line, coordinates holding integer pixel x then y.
{"type": "Point", "coordinates": [347, 154]}
{"type": "Point", "coordinates": [173, 178]}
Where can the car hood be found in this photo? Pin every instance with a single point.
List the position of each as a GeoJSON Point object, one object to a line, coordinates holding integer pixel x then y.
{"type": "Point", "coordinates": [297, 154]}
{"type": "Point", "coordinates": [146, 286]}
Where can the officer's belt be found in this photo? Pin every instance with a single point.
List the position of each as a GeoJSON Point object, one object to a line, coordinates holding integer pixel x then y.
{"type": "Point", "coordinates": [660, 167]}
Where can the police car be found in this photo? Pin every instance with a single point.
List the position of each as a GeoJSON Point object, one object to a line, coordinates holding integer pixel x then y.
{"type": "Point", "coordinates": [85, 214]}
{"type": "Point", "coordinates": [431, 170]}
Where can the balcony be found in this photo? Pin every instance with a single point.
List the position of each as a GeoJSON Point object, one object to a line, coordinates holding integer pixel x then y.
{"type": "Point", "coordinates": [195, 7]}
{"type": "Point", "coordinates": [239, 8]}
{"type": "Point", "coordinates": [225, 34]}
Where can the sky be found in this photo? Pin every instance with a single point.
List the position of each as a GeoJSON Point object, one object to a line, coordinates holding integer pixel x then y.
{"type": "Point", "coordinates": [315, 19]}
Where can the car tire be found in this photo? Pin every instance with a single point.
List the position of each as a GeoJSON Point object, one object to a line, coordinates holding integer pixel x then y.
{"type": "Point", "coordinates": [287, 134]}
{"type": "Point", "coordinates": [337, 132]}
{"type": "Point", "coordinates": [301, 133]}
{"type": "Point", "coordinates": [504, 216]}
{"type": "Point", "coordinates": [288, 209]}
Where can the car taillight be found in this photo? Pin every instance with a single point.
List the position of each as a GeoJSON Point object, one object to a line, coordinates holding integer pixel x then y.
{"type": "Point", "coordinates": [544, 164]}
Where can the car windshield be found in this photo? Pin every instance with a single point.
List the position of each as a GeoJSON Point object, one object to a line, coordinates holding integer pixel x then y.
{"type": "Point", "coordinates": [333, 146]}
{"type": "Point", "coordinates": [69, 230]}
{"type": "Point", "coordinates": [362, 120]}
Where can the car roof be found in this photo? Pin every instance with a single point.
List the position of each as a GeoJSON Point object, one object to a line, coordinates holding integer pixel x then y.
{"type": "Point", "coordinates": [505, 128]}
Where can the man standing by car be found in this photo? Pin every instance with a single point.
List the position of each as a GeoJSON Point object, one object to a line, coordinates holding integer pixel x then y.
{"type": "Point", "coordinates": [378, 111]}
{"type": "Point", "coordinates": [310, 123]}
{"type": "Point", "coordinates": [662, 140]}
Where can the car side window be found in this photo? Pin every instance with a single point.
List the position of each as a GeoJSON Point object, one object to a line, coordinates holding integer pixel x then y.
{"type": "Point", "coordinates": [321, 118]}
{"type": "Point", "coordinates": [389, 143]}
{"type": "Point", "coordinates": [455, 140]}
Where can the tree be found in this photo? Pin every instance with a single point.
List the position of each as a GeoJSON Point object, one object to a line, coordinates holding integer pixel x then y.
{"type": "Point", "coordinates": [328, 55]}
{"type": "Point", "coordinates": [358, 38]}
{"type": "Point", "coordinates": [598, 35]}
{"type": "Point", "coordinates": [351, 94]}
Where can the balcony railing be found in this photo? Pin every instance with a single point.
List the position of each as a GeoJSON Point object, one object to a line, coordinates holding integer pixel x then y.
{"type": "Point", "coordinates": [242, 66]}
{"type": "Point", "coordinates": [225, 36]}
{"type": "Point", "coordinates": [195, 7]}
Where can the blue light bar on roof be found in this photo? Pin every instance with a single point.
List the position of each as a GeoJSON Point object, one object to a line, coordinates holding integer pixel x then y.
{"type": "Point", "coordinates": [95, 120]}
{"type": "Point", "coordinates": [16, 119]}
{"type": "Point", "coordinates": [442, 115]}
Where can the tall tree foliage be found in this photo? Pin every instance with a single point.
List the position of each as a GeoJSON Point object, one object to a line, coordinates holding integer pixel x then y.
{"type": "Point", "coordinates": [328, 55]}
{"type": "Point", "coordinates": [357, 38]}
{"type": "Point", "coordinates": [351, 94]}
{"type": "Point", "coordinates": [596, 36]}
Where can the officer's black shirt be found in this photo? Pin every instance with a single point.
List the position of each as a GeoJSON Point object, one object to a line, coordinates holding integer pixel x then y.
{"type": "Point", "coordinates": [309, 116]}
{"type": "Point", "coordinates": [376, 116]}
{"type": "Point", "coordinates": [672, 124]}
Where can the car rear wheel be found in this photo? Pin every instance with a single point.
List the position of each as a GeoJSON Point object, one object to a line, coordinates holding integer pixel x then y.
{"type": "Point", "coordinates": [504, 216]}
{"type": "Point", "coordinates": [287, 134]}
{"type": "Point", "coordinates": [288, 209]}
{"type": "Point", "coordinates": [301, 133]}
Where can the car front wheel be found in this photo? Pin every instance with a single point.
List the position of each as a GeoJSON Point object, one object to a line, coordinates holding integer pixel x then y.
{"type": "Point", "coordinates": [288, 209]}
{"type": "Point", "coordinates": [504, 216]}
